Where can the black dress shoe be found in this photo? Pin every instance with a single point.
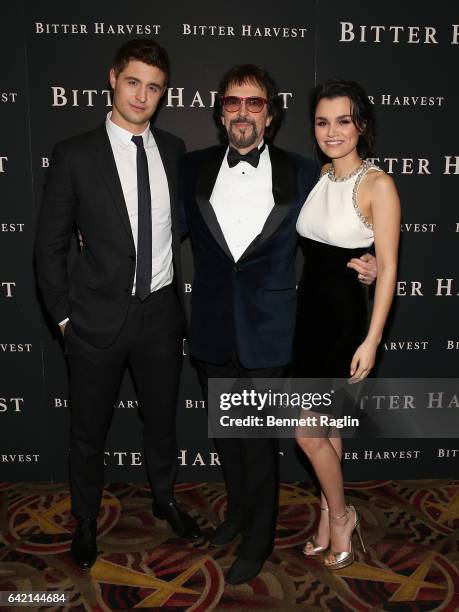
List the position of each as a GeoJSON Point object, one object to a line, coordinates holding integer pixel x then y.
{"type": "Point", "coordinates": [183, 525]}
{"type": "Point", "coordinates": [84, 546]}
{"type": "Point", "coordinates": [225, 533]}
{"type": "Point", "coordinates": [243, 570]}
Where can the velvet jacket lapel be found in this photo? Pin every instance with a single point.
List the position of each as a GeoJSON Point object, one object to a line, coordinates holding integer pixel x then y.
{"type": "Point", "coordinates": [205, 185]}
{"type": "Point", "coordinates": [284, 192]}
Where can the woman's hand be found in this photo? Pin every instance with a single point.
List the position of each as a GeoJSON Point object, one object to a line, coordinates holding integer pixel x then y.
{"type": "Point", "coordinates": [363, 361]}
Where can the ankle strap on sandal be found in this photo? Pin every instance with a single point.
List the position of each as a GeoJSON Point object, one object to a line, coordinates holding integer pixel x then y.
{"type": "Point", "coordinates": [340, 516]}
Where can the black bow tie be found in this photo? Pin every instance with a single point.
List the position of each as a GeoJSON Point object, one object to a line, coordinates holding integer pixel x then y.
{"type": "Point", "coordinates": [252, 157]}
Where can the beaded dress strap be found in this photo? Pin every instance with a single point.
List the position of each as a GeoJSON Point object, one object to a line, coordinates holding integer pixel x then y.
{"type": "Point", "coordinates": [364, 168]}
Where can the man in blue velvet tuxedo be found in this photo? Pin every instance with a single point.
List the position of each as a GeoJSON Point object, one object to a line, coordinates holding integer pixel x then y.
{"type": "Point", "coordinates": [241, 204]}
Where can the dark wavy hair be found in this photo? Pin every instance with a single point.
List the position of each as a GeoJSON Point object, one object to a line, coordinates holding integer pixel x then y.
{"type": "Point", "coordinates": [249, 73]}
{"type": "Point", "coordinates": [361, 110]}
{"type": "Point", "coordinates": [144, 50]}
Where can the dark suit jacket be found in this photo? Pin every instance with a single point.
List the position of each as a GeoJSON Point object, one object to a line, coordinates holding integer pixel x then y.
{"type": "Point", "coordinates": [83, 189]}
{"type": "Point", "coordinates": [249, 306]}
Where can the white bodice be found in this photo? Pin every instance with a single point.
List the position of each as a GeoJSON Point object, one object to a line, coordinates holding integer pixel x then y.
{"type": "Point", "coordinates": [331, 213]}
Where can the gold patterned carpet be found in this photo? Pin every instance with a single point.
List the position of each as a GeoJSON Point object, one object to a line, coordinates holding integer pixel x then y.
{"type": "Point", "coordinates": [411, 530]}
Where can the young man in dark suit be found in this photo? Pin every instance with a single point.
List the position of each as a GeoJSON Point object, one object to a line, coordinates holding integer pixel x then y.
{"type": "Point", "coordinates": [122, 303]}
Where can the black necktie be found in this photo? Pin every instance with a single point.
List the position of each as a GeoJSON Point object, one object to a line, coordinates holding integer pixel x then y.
{"type": "Point", "coordinates": [143, 270]}
{"type": "Point", "coordinates": [252, 157]}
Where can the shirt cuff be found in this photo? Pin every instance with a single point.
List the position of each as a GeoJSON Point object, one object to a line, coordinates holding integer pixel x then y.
{"type": "Point", "coordinates": [66, 320]}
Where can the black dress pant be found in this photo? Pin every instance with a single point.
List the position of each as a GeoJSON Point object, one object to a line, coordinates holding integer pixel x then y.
{"type": "Point", "coordinates": [150, 342]}
{"type": "Point", "coordinates": [250, 469]}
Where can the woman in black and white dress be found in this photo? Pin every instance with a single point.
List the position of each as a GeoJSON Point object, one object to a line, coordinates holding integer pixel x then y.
{"type": "Point", "coordinates": [353, 205]}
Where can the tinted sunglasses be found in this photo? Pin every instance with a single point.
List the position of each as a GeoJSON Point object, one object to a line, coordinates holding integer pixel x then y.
{"type": "Point", "coordinates": [254, 104]}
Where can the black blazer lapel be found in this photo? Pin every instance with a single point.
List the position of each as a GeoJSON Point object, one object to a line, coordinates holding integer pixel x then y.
{"type": "Point", "coordinates": [107, 165]}
{"type": "Point", "coordinates": [284, 193]}
{"type": "Point", "coordinates": [170, 167]}
{"type": "Point", "coordinates": [205, 183]}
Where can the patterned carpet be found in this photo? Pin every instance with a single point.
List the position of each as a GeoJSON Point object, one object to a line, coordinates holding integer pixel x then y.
{"type": "Point", "coordinates": [411, 530]}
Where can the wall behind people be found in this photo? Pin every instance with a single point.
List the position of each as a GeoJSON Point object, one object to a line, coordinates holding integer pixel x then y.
{"type": "Point", "coordinates": [55, 67]}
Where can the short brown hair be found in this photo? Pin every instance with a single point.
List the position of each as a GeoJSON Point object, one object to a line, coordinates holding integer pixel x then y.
{"type": "Point", "coordinates": [144, 50]}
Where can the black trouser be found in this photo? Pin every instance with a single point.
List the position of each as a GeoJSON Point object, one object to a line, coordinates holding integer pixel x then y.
{"type": "Point", "coordinates": [150, 342]}
{"type": "Point", "coordinates": [250, 468]}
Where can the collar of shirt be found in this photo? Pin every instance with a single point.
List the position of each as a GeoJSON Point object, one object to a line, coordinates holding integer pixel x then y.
{"type": "Point", "coordinates": [124, 137]}
{"type": "Point", "coordinates": [244, 167]}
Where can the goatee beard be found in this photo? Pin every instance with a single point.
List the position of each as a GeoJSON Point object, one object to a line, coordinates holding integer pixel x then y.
{"type": "Point", "coordinates": [245, 139]}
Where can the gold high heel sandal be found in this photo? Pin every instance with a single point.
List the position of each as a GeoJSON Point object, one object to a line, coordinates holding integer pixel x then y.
{"type": "Point", "coordinates": [343, 559]}
{"type": "Point", "coordinates": [316, 550]}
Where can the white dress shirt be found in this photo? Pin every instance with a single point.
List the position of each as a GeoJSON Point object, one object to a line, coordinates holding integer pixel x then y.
{"type": "Point", "coordinates": [242, 199]}
{"type": "Point", "coordinates": [125, 152]}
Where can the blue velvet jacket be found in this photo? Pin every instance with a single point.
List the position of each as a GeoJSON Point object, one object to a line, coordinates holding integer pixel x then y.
{"type": "Point", "coordinates": [246, 307]}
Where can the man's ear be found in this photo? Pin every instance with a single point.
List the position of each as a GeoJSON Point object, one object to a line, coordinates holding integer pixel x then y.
{"type": "Point", "coordinates": [269, 118]}
{"type": "Point", "coordinates": [112, 77]}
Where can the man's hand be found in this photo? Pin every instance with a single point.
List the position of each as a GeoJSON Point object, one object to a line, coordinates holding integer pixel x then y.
{"type": "Point", "coordinates": [366, 267]}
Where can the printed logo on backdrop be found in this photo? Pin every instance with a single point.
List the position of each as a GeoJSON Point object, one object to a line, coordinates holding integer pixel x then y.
{"type": "Point", "coordinates": [7, 289]}
{"type": "Point", "coordinates": [3, 163]}
{"type": "Point", "coordinates": [418, 345]}
{"type": "Point", "coordinates": [447, 453]}
{"type": "Point", "coordinates": [8, 97]}
{"type": "Point", "coordinates": [41, 28]}
{"type": "Point", "coordinates": [11, 405]}
{"type": "Point", "coordinates": [176, 97]}
{"type": "Point", "coordinates": [431, 400]}
{"type": "Point", "coordinates": [198, 459]}
{"type": "Point", "coordinates": [388, 99]}
{"type": "Point", "coordinates": [19, 458]}
{"type": "Point", "coordinates": [417, 165]}
{"type": "Point", "coordinates": [244, 31]}
{"type": "Point", "coordinates": [98, 28]}
{"type": "Point", "coordinates": [123, 459]}
{"type": "Point", "coordinates": [194, 404]}
{"type": "Point", "coordinates": [12, 227]}
{"type": "Point", "coordinates": [22, 347]}
{"type": "Point", "coordinates": [185, 458]}
{"type": "Point", "coordinates": [418, 228]}
{"type": "Point", "coordinates": [406, 345]}
{"type": "Point", "coordinates": [398, 34]}
{"type": "Point", "coordinates": [126, 404]}
{"type": "Point", "coordinates": [378, 455]}
{"type": "Point", "coordinates": [439, 287]}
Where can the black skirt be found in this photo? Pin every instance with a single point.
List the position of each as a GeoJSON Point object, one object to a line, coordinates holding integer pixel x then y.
{"type": "Point", "coordinates": [332, 314]}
